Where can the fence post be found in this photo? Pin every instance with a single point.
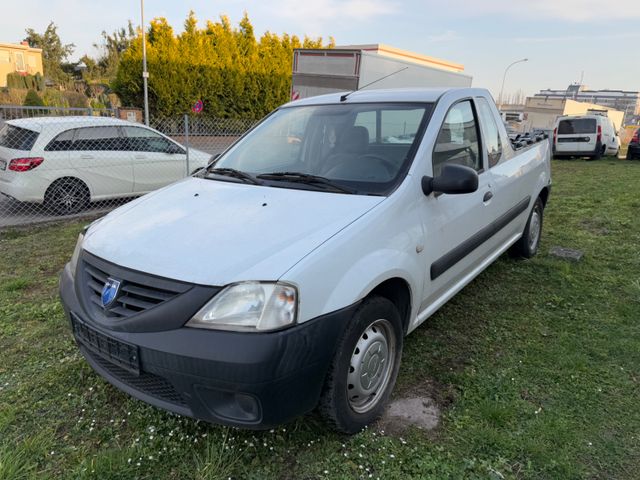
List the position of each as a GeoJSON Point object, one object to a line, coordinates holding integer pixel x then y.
{"type": "Point", "coordinates": [186, 139]}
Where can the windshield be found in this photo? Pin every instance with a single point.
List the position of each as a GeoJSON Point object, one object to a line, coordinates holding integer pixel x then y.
{"type": "Point", "coordinates": [363, 148]}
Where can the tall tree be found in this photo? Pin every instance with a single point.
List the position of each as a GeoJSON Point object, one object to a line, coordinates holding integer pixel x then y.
{"type": "Point", "coordinates": [232, 72]}
{"type": "Point", "coordinates": [112, 47]}
{"type": "Point", "coordinates": [54, 52]}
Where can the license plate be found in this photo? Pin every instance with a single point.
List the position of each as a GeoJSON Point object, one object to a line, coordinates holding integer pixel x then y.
{"type": "Point", "coordinates": [120, 353]}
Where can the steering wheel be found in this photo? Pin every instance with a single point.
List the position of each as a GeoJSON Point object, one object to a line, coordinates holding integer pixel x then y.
{"type": "Point", "coordinates": [391, 168]}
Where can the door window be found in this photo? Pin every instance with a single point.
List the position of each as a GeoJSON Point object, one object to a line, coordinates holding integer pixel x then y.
{"type": "Point", "coordinates": [97, 138]}
{"type": "Point", "coordinates": [142, 140]}
{"type": "Point", "coordinates": [490, 131]}
{"type": "Point", "coordinates": [457, 142]}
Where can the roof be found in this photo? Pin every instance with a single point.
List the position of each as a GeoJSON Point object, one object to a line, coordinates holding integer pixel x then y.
{"type": "Point", "coordinates": [39, 123]}
{"type": "Point", "coordinates": [19, 46]}
{"type": "Point", "coordinates": [389, 51]}
{"type": "Point", "coordinates": [418, 95]}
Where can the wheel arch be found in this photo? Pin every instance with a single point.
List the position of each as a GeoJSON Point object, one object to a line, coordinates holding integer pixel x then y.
{"type": "Point", "coordinates": [75, 179]}
{"type": "Point", "coordinates": [544, 195]}
{"type": "Point", "coordinates": [398, 292]}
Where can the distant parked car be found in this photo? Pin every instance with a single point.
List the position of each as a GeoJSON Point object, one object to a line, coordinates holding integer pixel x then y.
{"type": "Point", "coordinates": [67, 162]}
{"type": "Point", "coordinates": [585, 136]}
{"type": "Point", "coordinates": [634, 147]}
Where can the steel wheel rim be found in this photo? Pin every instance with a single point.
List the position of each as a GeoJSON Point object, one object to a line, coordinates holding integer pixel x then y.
{"type": "Point", "coordinates": [371, 366]}
{"type": "Point", "coordinates": [534, 229]}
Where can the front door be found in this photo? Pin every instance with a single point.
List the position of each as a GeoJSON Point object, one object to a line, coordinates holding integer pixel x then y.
{"type": "Point", "coordinates": [455, 226]}
{"type": "Point", "coordinates": [157, 161]}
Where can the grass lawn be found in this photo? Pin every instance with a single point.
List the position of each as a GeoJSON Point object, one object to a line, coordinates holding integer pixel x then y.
{"type": "Point", "coordinates": [536, 366]}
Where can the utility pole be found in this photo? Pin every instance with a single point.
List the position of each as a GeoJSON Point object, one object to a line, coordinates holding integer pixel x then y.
{"type": "Point", "coordinates": [504, 77]}
{"type": "Point", "coordinates": [145, 73]}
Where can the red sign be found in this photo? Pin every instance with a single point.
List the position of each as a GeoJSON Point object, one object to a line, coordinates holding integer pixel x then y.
{"type": "Point", "coordinates": [197, 107]}
{"type": "Point", "coordinates": [295, 95]}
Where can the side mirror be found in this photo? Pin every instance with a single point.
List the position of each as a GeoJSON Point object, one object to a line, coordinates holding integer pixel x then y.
{"type": "Point", "coordinates": [454, 179]}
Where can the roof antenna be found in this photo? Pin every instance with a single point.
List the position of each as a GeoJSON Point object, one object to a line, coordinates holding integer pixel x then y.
{"type": "Point", "coordinates": [344, 97]}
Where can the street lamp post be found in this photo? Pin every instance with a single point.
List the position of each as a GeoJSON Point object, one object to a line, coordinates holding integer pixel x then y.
{"type": "Point", "coordinates": [145, 73]}
{"type": "Point", "coordinates": [504, 77]}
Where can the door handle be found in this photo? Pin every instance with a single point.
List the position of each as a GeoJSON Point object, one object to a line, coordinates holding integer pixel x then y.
{"type": "Point", "coordinates": [487, 196]}
{"type": "Point", "coordinates": [86, 156]}
{"type": "Point", "coordinates": [141, 156]}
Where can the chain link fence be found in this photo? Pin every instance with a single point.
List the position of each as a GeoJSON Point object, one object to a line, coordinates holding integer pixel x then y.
{"type": "Point", "coordinates": [57, 164]}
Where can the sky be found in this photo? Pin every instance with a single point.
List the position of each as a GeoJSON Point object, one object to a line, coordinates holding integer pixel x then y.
{"type": "Point", "coordinates": [564, 40]}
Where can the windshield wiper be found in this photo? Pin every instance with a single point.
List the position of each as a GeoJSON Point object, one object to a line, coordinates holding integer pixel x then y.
{"type": "Point", "coordinates": [232, 172]}
{"type": "Point", "coordinates": [298, 177]}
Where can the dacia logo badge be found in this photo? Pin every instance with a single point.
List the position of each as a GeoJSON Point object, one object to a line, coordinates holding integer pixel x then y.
{"type": "Point", "coordinates": [110, 292]}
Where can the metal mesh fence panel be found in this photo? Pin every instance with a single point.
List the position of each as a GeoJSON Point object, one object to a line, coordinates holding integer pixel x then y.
{"type": "Point", "coordinates": [61, 166]}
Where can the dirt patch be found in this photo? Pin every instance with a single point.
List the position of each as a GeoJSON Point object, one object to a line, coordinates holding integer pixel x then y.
{"type": "Point", "coordinates": [596, 226]}
{"type": "Point", "coordinates": [419, 412]}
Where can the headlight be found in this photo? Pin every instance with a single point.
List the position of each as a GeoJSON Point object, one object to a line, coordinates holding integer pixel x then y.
{"type": "Point", "coordinates": [249, 306]}
{"type": "Point", "coordinates": [73, 263]}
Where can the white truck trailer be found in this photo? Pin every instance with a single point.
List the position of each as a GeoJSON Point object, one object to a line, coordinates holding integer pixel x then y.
{"type": "Point", "coordinates": [322, 71]}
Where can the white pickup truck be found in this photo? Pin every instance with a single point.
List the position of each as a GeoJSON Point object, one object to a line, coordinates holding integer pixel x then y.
{"type": "Point", "coordinates": [285, 275]}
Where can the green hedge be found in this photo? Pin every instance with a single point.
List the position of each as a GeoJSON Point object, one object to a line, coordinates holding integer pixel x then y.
{"type": "Point", "coordinates": [27, 82]}
{"type": "Point", "coordinates": [235, 75]}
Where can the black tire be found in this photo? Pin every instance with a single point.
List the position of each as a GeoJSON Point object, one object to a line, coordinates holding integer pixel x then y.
{"type": "Point", "coordinates": [529, 243]}
{"type": "Point", "coordinates": [600, 149]}
{"type": "Point", "coordinates": [66, 196]}
{"type": "Point", "coordinates": [340, 403]}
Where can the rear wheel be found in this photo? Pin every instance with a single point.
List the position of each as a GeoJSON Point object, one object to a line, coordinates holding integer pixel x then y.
{"type": "Point", "coordinates": [365, 367]}
{"type": "Point", "coordinates": [66, 196]}
{"type": "Point", "coordinates": [600, 150]}
{"type": "Point", "coordinates": [528, 244]}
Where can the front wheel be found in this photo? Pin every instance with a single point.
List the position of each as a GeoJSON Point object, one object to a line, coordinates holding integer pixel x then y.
{"type": "Point", "coordinates": [365, 367]}
{"type": "Point", "coordinates": [528, 244]}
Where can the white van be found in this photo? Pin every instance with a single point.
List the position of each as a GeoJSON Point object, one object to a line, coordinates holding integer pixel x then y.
{"type": "Point", "coordinates": [585, 136]}
{"type": "Point", "coordinates": [286, 275]}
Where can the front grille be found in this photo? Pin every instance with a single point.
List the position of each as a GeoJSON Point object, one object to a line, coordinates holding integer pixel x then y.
{"type": "Point", "coordinates": [138, 292]}
{"type": "Point", "coordinates": [147, 383]}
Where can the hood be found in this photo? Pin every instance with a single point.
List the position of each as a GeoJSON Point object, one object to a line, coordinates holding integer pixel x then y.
{"type": "Point", "coordinates": [214, 233]}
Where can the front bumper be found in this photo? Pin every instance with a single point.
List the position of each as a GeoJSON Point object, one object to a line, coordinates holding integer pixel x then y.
{"type": "Point", "coordinates": [251, 380]}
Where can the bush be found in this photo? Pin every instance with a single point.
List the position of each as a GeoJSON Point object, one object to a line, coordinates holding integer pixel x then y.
{"type": "Point", "coordinates": [12, 96]}
{"type": "Point", "coordinates": [54, 98]}
{"type": "Point", "coordinates": [28, 82]}
{"type": "Point", "coordinates": [33, 99]}
{"type": "Point", "coordinates": [75, 99]}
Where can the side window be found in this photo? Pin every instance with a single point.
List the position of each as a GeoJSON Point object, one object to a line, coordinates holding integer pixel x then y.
{"type": "Point", "coordinates": [490, 131]}
{"type": "Point", "coordinates": [62, 142]}
{"type": "Point", "coordinates": [142, 140]}
{"type": "Point", "coordinates": [457, 142]}
{"type": "Point", "coordinates": [367, 120]}
{"type": "Point", "coordinates": [97, 138]}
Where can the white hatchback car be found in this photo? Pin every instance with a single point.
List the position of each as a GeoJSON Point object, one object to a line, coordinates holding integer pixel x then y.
{"type": "Point", "coordinates": [66, 162]}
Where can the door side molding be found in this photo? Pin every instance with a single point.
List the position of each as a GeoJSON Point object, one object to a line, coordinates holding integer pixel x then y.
{"type": "Point", "coordinates": [452, 257]}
